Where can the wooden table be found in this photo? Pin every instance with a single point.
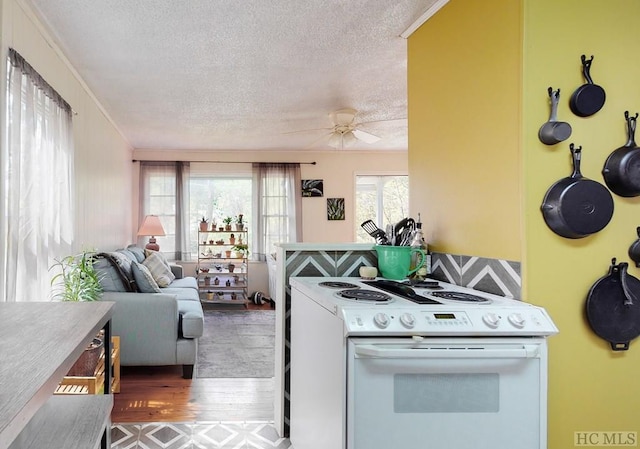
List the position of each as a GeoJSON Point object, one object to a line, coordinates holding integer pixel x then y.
{"type": "Point", "coordinates": [39, 342]}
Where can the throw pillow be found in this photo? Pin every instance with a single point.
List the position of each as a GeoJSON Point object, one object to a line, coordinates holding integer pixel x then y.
{"type": "Point", "coordinates": [144, 279]}
{"type": "Point", "coordinates": [159, 270]}
{"type": "Point", "coordinates": [148, 252]}
{"type": "Point", "coordinates": [137, 251]}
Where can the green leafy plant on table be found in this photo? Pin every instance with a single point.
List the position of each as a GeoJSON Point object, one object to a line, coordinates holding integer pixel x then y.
{"type": "Point", "coordinates": [77, 280]}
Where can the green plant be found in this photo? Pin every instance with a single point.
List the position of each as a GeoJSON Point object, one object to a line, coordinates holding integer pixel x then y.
{"type": "Point", "coordinates": [77, 279]}
{"type": "Point", "coordinates": [240, 248]}
{"type": "Point", "coordinates": [204, 220]}
{"type": "Point", "coordinates": [227, 220]}
{"type": "Point", "coordinates": [239, 219]}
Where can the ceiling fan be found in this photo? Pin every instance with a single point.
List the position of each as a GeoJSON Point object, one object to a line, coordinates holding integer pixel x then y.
{"type": "Point", "coordinates": [344, 131]}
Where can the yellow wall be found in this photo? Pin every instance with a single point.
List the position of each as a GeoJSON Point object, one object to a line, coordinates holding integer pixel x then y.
{"type": "Point", "coordinates": [590, 388]}
{"type": "Point", "coordinates": [464, 80]}
{"type": "Point", "coordinates": [538, 42]}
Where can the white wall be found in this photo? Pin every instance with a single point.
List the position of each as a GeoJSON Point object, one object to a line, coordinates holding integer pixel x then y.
{"type": "Point", "coordinates": [103, 157]}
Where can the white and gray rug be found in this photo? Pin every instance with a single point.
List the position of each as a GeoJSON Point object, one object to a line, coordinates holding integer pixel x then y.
{"type": "Point", "coordinates": [197, 435]}
{"type": "Point", "coordinates": [237, 343]}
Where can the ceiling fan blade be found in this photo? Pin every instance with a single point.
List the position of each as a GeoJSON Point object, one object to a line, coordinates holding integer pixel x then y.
{"type": "Point", "coordinates": [307, 130]}
{"type": "Point", "coordinates": [365, 136]}
{"type": "Point", "coordinates": [318, 140]}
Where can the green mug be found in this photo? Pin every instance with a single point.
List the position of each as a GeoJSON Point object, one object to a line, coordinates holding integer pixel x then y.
{"type": "Point", "coordinates": [394, 262]}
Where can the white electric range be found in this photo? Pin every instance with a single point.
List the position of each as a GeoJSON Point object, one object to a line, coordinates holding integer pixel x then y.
{"type": "Point", "coordinates": [379, 364]}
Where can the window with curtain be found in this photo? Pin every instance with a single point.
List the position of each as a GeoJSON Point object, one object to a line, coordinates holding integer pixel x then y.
{"type": "Point", "coordinates": [383, 199]}
{"type": "Point", "coordinates": [164, 191]}
{"type": "Point", "coordinates": [277, 207]}
{"type": "Point", "coordinates": [37, 184]}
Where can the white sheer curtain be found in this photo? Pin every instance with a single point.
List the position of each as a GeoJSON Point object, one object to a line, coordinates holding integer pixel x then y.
{"type": "Point", "coordinates": [37, 187]}
{"type": "Point", "coordinates": [164, 191]}
{"type": "Point", "coordinates": [277, 207]}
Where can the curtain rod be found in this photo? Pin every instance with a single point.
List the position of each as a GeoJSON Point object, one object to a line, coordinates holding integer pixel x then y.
{"type": "Point", "coordinates": [234, 162]}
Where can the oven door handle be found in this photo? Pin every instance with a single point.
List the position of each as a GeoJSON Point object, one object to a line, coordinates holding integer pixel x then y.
{"type": "Point", "coordinates": [373, 351]}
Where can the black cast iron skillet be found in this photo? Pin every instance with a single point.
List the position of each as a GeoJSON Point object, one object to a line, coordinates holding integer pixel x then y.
{"type": "Point", "coordinates": [613, 308]}
{"type": "Point", "coordinates": [588, 98]}
{"type": "Point", "coordinates": [553, 131]}
{"type": "Point", "coordinates": [634, 249]}
{"type": "Point", "coordinates": [575, 207]}
{"type": "Point", "coordinates": [621, 170]}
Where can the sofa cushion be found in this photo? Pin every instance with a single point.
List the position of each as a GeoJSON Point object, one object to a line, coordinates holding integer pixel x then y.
{"type": "Point", "coordinates": [159, 270]}
{"type": "Point", "coordinates": [186, 282]}
{"type": "Point", "coordinates": [128, 254]}
{"type": "Point", "coordinates": [182, 294]}
{"type": "Point", "coordinates": [110, 280]}
{"type": "Point", "coordinates": [137, 251]}
{"type": "Point", "coordinates": [124, 262]}
{"type": "Point", "coordinates": [144, 279]}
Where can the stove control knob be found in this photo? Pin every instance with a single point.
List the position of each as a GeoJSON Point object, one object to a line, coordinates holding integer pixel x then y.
{"type": "Point", "coordinates": [381, 320]}
{"type": "Point", "coordinates": [491, 319]}
{"type": "Point", "coordinates": [407, 320]}
{"type": "Point", "coordinates": [517, 320]}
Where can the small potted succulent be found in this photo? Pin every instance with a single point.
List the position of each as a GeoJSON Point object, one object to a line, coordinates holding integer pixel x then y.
{"type": "Point", "coordinates": [203, 224]}
{"type": "Point", "coordinates": [239, 222]}
{"type": "Point", "coordinates": [232, 239]}
{"type": "Point", "coordinates": [227, 223]}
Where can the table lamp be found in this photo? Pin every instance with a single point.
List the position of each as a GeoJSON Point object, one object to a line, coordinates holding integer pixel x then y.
{"type": "Point", "coordinates": [152, 227]}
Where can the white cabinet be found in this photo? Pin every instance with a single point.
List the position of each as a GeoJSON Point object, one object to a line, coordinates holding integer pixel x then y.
{"type": "Point", "coordinates": [223, 268]}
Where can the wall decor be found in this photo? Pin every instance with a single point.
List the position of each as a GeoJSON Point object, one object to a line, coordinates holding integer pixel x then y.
{"type": "Point", "coordinates": [312, 187]}
{"type": "Point", "coordinates": [335, 208]}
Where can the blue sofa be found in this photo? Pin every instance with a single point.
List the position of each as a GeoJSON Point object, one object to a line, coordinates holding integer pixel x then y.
{"type": "Point", "coordinates": [158, 323]}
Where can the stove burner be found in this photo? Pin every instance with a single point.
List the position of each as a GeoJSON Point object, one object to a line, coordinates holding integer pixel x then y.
{"type": "Point", "coordinates": [337, 284]}
{"type": "Point", "coordinates": [460, 296]}
{"type": "Point", "coordinates": [364, 295]}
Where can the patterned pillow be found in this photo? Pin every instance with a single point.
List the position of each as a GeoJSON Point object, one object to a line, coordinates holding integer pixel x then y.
{"type": "Point", "coordinates": [148, 252]}
{"type": "Point", "coordinates": [159, 270]}
{"type": "Point", "coordinates": [144, 279]}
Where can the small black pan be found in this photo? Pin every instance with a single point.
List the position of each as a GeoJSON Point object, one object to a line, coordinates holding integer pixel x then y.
{"type": "Point", "coordinates": [612, 307]}
{"type": "Point", "coordinates": [588, 98]}
{"type": "Point", "coordinates": [553, 131]}
{"type": "Point", "coordinates": [621, 170]}
{"type": "Point", "coordinates": [575, 207]}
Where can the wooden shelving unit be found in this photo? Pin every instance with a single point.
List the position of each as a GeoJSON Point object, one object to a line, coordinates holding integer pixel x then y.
{"type": "Point", "coordinates": [94, 384]}
{"type": "Point", "coordinates": [216, 283]}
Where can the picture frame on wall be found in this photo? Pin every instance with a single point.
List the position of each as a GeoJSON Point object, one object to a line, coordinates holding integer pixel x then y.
{"type": "Point", "coordinates": [335, 208]}
{"type": "Point", "coordinates": [312, 188]}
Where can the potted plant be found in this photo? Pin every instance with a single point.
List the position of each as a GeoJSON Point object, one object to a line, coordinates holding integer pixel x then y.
{"type": "Point", "coordinates": [239, 222]}
{"type": "Point", "coordinates": [227, 223]}
{"type": "Point", "coordinates": [241, 249]}
{"type": "Point", "coordinates": [78, 280]}
{"type": "Point", "coordinates": [203, 224]}
{"type": "Point", "coordinates": [232, 239]}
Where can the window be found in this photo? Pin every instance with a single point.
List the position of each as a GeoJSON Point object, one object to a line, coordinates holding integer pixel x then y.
{"type": "Point", "coordinates": [216, 195]}
{"type": "Point", "coordinates": [37, 189]}
{"type": "Point", "coordinates": [383, 199]}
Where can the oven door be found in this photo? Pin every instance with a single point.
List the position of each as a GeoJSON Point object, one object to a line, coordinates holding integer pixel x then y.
{"type": "Point", "coordinates": [456, 393]}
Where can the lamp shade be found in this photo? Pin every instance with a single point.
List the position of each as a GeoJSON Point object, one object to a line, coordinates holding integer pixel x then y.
{"type": "Point", "coordinates": [151, 226]}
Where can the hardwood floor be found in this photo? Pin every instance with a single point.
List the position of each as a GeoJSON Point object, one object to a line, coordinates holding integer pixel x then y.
{"type": "Point", "coordinates": [160, 394]}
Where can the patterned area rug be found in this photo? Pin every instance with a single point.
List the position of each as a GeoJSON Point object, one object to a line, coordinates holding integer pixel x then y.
{"type": "Point", "coordinates": [237, 343]}
{"type": "Point", "coordinates": [197, 435]}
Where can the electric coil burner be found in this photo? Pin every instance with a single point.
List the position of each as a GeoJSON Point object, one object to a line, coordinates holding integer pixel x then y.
{"type": "Point", "coordinates": [337, 284]}
{"type": "Point", "coordinates": [460, 296]}
{"type": "Point", "coordinates": [364, 295]}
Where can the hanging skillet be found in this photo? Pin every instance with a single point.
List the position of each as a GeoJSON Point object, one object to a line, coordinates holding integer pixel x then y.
{"type": "Point", "coordinates": [621, 170]}
{"type": "Point", "coordinates": [613, 307]}
{"type": "Point", "coordinates": [575, 207]}
{"type": "Point", "coordinates": [588, 98]}
{"type": "Point", "coordinates": [553, 131]}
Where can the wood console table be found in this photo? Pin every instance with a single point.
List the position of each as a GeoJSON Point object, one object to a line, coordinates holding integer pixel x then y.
{"type": "Point", "coordinates": [39, 342]}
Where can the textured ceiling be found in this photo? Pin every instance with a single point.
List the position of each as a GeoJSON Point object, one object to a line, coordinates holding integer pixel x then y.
{"type": "Point", "coordinates": [240, 75]}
